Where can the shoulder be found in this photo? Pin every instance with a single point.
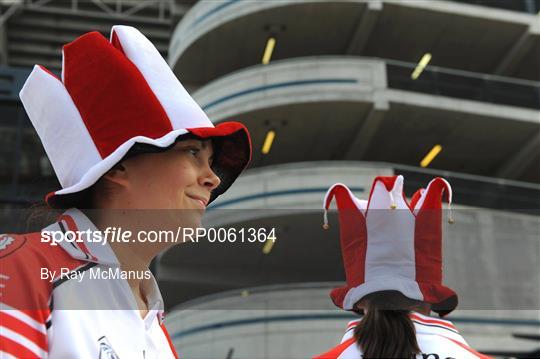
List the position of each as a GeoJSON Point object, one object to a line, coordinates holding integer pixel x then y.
{"type": "Point", "coordinates": [30, 250]}
{"type": "Point", "coordinates": [26, 265]}
{"type": "Point", "coordinates": [347, 348]}
{"type": "Point", "coordinates": [11, 243]}
{"type": "Point", "coordinates": [425, 323]}
{"type": "Point", "coordinates": [349, 331]}
{"type": "Point", "coordinates": [435, 336]}
{"type": "Point", "coordinates": [442, 346]}
{"type": "Point", "coordinates": [441, 336]}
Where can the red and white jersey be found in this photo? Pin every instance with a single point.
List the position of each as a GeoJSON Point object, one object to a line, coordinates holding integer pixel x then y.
{"type": "Point", "coordinates": [437, 338]}
{"type": "Point", "coordinates": [64, 313]}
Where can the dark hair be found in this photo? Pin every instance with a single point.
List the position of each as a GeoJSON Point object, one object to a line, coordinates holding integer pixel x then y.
{"type": "Point", "coordinates": [37, 216]}
{"type": "Point", "coordinates": [386, 330]}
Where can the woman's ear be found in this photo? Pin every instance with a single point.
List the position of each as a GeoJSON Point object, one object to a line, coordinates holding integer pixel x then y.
{"type": "Point", "coordinates": [117, 176]}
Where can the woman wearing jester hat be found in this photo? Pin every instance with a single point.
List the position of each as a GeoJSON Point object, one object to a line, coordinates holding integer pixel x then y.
{"type": "Point", "coordinates": [122, 134]}
{"type": "Point", "coordinates": [393, 263]}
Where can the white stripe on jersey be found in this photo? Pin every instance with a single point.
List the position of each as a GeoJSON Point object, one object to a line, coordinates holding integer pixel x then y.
{"type": "Point", "coordinates": [4, 355]}
{"type": "Point", "coordinates": [24, 341]}
{"type": "Point", "coordinates": [23, 317]}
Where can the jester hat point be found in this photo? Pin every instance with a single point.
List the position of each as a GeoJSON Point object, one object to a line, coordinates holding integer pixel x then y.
{"type": "Point", "coordinates": [390, 244]}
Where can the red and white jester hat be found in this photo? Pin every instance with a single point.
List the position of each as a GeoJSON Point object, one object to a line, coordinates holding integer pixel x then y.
{"type": "Point", "coordinates": [114, 94]}
{"type": "Point", "coordinates": [389, 244]}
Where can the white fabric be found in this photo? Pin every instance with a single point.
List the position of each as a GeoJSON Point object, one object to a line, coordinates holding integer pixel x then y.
{"type": "Point", "coordinates": [22, 340]}
{"type": "Point", "coordinates": [59, 126]}
{"type": "Point", "coordinates": [360, 204]}
{"type": "Point", "coordinates": [23, 317]}
{"type": "Point", "coordinates": [103, 310]}
{"type": "Point", "coordinates": [390, 257]}
{"type": "Point", "coordinates": [67, 142]}
{"type": "Point", "coordinates": [180, 107]}
{"type": "Point", "coordinates": [431, 340]}
{"type": "Point", "coordinates": [4, 355]}
{"type": "Point", "coordinates": [390, 250]}
{"type": "Point", "coordinates": [94, 173]}
{"type": "Point", "coordinates": [407, 287]}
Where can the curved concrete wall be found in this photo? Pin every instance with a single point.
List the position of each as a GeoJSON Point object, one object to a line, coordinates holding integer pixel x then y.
{"type": "Point", "coordinates": [490, 255]}
{"type": "Point", "coordinates": [310, 79]}
{"type": "Point", "coordinates": [330, 79]}
{"type": "Point", "coordinates": [208, 15]}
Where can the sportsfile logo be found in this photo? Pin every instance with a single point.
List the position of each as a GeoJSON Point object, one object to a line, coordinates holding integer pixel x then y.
{"type": "Point", "coordinates": [181, 235]}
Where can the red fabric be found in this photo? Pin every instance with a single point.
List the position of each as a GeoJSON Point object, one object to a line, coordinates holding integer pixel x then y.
{"type": "Point", "coordinates": [222, 129]}
{"type": "Point", "coordinates": [17, 350]}
{"type": "Point", "coordinates": [387, 181]}
{"type": "Point", "coordinates": [428, 248]}
{"type": "Point", "coordinates": [353, 240]}
{"type": "Point", "coordinates": [20, 327]}
{"type": "Point", "coordinates": [25, 291]}
{"type": "Point", "coordinates": [353, 237]}
{"type": "Point", "coordinates": [338, 295]}
{"type": "Point", "coordinates": [428, 240]}
{"type": "Point", "coordinates": [48, 198]}
{"type": "Point", "coordinates": [115, 41]}
{"type": "Point", "coordinates": [49, 72]}
{"type": "Point", "coordinates": [112, 96]}
{"type": "Point", "coordinates": [336, 351]}
{"type": "Point", "coordinates": [233, 154]}
{"type": "Point", "coordinates": [433, 198]}
{"type": "Point", "coordinates": [353, 324]}
{"type": "Point", "coordinates": [415, 198]}
{"type": "Point", "coordinates": [169, 340]}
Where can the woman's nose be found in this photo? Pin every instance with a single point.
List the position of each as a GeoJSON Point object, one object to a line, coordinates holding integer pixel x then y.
{"type": "Point", "coordinates": [209, 179]}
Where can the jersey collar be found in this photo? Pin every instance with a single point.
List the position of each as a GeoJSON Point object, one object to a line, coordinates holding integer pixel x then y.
{"type": "Point", "coordinates": [89, 249]}
{"type": "Point", "coordinates": [88, 246]}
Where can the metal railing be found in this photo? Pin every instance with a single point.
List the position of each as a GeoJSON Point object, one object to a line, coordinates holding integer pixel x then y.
{"type": "Point", "coordinates": [528, 6]}
{"type": "Point", "coordinates": [477, 191]}
{"type": "Point", "coordinates": [117, 8]}
{"type": "Point", "coordinates": [468, 85]}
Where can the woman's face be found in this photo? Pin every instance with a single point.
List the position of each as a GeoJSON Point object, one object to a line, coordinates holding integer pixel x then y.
{"type": "Point", "coordinates": [180, 178]}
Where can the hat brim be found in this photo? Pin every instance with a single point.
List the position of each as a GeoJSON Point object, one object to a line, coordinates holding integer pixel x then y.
{"type": "Point", "coordinates": [443, 300]}
{"type": "Point", "coordinates": [232, 158]}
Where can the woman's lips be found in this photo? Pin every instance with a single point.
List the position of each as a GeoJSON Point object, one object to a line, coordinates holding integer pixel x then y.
{"type": "Point", "coordinates": [200, 200]}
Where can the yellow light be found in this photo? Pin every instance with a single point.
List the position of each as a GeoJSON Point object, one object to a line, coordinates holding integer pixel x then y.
{"type": "Point", "coordinates": [244, 293]}
{"type": "Point", "coordinates": [431, 155]}
{"type": "Point", "coordinates": [424, 61]}
{"type": "Point", "coordinates": [270, 44]}
{"type": "Point", "coordinates": [268, 142]}
{"type": "Point", "coordinates": [268, 246]}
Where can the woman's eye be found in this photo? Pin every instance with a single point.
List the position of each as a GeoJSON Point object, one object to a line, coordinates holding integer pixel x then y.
{"type": "Point", "coordinates": [194, 151]}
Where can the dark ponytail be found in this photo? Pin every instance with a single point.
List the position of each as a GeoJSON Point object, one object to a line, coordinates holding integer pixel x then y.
{"type": "Point", "coordinates": [386, 330]}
